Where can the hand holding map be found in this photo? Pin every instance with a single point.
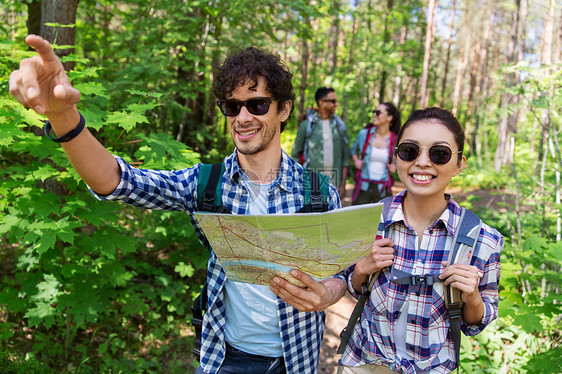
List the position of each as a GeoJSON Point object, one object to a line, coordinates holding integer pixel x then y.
{"type": "Point", "coordinates": [255, 248]}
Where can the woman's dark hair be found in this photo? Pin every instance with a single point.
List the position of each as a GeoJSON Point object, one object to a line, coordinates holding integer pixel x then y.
{"type": "Point", "coordinates": [246, 65]}
{"type": "Point", "coordinates": [396, 122]}
{"type": "Point", "coordinates": [322, 92]}
{"type": "Point", "coordinates": [441, 116]}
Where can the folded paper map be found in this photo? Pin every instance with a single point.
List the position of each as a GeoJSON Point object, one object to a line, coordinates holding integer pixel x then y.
{"type": "Point", "coordinates": [255, 248]}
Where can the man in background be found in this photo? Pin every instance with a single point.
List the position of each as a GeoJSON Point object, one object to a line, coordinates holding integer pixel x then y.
{"type": "Point", "coordinates": [322, 143]}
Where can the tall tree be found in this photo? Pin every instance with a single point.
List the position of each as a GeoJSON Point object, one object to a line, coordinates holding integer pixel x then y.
{"type": "Point", "coordinates": [386, 40]}
{"type": "Point", "coordinates": [483, 83]}
{"type": "Point", "coordinates": [398, 78]}
{"type": "Point", "coordinates": [506, 129]}
{"type": "Point", "coordinates": [448, 56]}
{"type": "Point", "coordinates": [61, 12]}
{"type": "Point", "coordinates": [34, 17]}
{"type": "Point", "coordinates": [474, 69]}
{"type": "Point", "coordinates": [305, 56]}
{"type": "Point", "coordinates": [334, 40]}
{"type": "Point", "coordinates": [464, 53]}
{"type": "Point", "coordinates": [431, 9]}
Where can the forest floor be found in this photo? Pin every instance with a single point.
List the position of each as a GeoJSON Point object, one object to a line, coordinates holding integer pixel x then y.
{"type": "Point", "coordinates": [338, 314]}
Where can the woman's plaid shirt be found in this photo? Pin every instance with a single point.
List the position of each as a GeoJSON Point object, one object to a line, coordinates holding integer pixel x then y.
{"type": "Point", "coordinates": [428, 343]}
{"type": "Point", "coordinates": [301, 332]}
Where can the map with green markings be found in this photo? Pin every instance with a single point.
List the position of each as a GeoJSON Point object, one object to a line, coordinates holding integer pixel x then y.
{"type": "Point", "coordinates": [255, 248]}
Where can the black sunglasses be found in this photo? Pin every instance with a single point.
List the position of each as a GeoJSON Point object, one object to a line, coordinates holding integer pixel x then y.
{"type": "Point", "coordinates": [376, 112]}
{"type": "Point", "coordinates": [333, 101]}
{"type": "Point", "coordinates": [257, 106]}
{"type": "Point", "coordinates": [438, 154]}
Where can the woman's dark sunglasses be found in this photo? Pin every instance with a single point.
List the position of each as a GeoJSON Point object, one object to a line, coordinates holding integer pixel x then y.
{"type": "Point", "coordinates": [438, 154]}
{"type": "Point", "coordinates": [257, 106]}
{"type": "Point", "coordinates": [376, 112]}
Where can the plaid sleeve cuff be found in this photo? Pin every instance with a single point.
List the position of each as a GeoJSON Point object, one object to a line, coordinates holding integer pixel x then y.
{"type": "Point", "coordinates": [125, 186]}
{"type": "Point", "coordinates": [334, 201]}
{"type": "Point", "coordinates": [490, 314]}
{"type": "Point", "coordinates": [350, 285]}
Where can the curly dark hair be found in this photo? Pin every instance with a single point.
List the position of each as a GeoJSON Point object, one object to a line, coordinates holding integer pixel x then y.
{"type": "Point", "coordinates": [246, 65]}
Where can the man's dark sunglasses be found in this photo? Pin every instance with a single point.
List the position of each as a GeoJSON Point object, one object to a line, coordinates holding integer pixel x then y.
{"type": "Point", "coordinates": [376, 112]}
{"type": "Point", "coordinates": [333, 101]}
{"type": "Point", "coordinates": [257, 106]}
{"type": "Point", "coordinates": [438, 154]}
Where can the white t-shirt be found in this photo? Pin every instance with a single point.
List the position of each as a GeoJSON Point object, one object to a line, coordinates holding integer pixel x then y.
{"type": "Point", "coordinates": [378, 159]}
{"type": "Point", "coordinates": [328, 141]}
{"type": "Point", "coordinates": [252, 324]}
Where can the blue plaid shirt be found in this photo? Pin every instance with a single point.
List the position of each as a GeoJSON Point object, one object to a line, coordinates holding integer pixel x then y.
{"type": "Point", "coordinates": [301, 332]}
{"type": "Point", "coordinates": [428, 342]}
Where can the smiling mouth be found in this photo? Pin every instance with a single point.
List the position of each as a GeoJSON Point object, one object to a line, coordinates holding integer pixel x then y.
{"type": "Point", "coordinates": [422, 177]}
{"type": "Point", "coordinates": [247, 133]}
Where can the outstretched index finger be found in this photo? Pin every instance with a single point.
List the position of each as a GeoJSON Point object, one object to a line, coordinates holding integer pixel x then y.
{"type": "Point", "coordinates": [42, 47]}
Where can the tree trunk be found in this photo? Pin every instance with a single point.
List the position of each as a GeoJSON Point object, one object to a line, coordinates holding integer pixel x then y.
{"type": "Point", "coordinates": [484, 83]}
{"type": "Point", "coordinates": [475, 68]}
{"type": "Point", "coordinates": [333, 46]}
{"type": "Point", "coordinates": [34, 18]}
{"type": "Point", "coordinates": [504, 151]}
{"type": "Point", "coordinates": [431, 9]}
{"type": "Point", "coordinates": [386, 40]}
{"type": "Point", "coordinates": [64, 13]}
{"type": "Point", "coordinates": [398, 79]}
{"type": "Point", "coordinates": [304, 76]}
{"type": "Point", "coordinates": [350, 59]}
{"type": "Point", "coordinates": [459, 80]}
{"type": "Point", "coordinates": [447, 58]}
{"type": "Point", "coordinates": [558, 46]}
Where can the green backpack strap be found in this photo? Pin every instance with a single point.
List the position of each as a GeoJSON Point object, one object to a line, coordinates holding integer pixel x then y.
{"type": "Point", "coordinates": [316, 192]}
{"type": "Point", "coordinates": [209, 199]}
{"type": "Point", "coordinates": [209, 188]}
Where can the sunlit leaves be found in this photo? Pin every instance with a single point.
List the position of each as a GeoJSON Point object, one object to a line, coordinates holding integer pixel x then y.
{"type": "Point", "coordinates": [126, 120]}
{"type": "Point", "coordinates": [184, 270]}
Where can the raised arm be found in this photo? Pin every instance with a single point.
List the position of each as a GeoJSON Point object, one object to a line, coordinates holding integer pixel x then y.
{"type": "Point", "coordinates": [42, 85]}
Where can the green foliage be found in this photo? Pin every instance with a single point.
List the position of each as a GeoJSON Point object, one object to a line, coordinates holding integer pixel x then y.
{"type": "Point", "coordinates": [91, 286]}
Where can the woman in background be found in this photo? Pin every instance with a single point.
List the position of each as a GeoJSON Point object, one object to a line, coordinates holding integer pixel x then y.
{"type": "Point", "coordinates": [372, 154]}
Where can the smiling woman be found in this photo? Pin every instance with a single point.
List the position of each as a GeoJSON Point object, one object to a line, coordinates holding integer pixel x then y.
{"type": "Point", "coordinates": [407, 322]}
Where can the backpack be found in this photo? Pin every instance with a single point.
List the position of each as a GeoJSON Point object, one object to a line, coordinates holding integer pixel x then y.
{"type": "Point", "coordinates": [209, 193]}
{"type": "Point", "coordinates": [387, 184]}
{"type": "Point", "coordinates": [466, 236]}
{"type": "Point", "coordinates": [310, 117]}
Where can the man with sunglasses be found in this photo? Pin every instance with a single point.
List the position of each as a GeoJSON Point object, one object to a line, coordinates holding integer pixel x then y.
{"type": "Point", "coordinates": [322, 141]}
{"type": "Point", "coordinates": [247, 328]}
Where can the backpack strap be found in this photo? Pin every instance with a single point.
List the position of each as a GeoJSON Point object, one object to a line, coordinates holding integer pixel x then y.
{"type": "Point", "coordinates": [316, 192]}
{"type": "Point", "coordinates": [209, 188]}
{"type": "Point", "coordinates": [310, 124]}
{"type": "Point", "coordinates": [209, 199]}
{"type": "Point", "coordinates": [367, 141]}
{"type": "Point", "coordinates": [365, 287]}
{"type": "Point", "coordinates": [199, 305]}
{"type": "Point", "coordinates": [464, 243]}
